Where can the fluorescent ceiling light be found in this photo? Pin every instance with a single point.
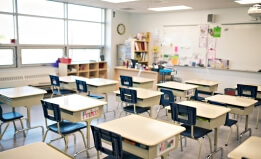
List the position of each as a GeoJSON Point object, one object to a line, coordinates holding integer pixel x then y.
{"type": "Point", "coordinates": [118, 1]}
{"type": "Point", "coordinates": [248, 1]}
{"type": "Point", "coordinates": [170, 8]}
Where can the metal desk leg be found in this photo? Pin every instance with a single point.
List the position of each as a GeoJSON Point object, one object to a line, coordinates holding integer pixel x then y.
{"type": "Point", "coordinates": [114, 111]}
{"type": "Point", "coordinates": [216, 148]}
{"type": "Point", "coordinates": [28, 124]}
{"type": "Point", "coordinates": [246, 130]}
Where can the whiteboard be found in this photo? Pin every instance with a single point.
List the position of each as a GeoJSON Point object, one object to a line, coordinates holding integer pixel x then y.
{"type": "Point", "coordinates": [185, 38]}
{"type": "Point", "coordinates": [241, 45]}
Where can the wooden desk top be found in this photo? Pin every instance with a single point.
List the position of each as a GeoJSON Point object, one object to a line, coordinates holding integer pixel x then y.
{"type": "Point", "coordinates": [249, 149]}
{"type": "Point", "coordinates": [70, 79]}
{"type": "Point", "coordinates": [177, 85]}
{"type": "Point", "coordinates": [141, 80]}
{"type": "Point", "coordinates": [143, 93]}
{"type": "Point", "coordinates": [142, 129]}
{"type": "Point", "coordinates": [233, 100]}
{"type": "Point", "coordinates": [75, 102]}
{"type": "Point", "coordinates": [202, 82]}
{"type": "Point", "coordinates": [136, 70]}
{"type": "Point", "coordinates": [206, 110]}
{"type": "Point", "coordinates": [23, 91]}
{"type": "Point", "coordinates": [101, 82]}
{"type": "Point", "coordinates": [38, 150]}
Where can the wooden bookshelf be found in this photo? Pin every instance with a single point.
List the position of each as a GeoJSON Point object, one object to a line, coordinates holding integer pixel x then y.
{"type": "Point", "coordinates": [141, 50]}
{"type": "Point", "coordinates": [88, 70]}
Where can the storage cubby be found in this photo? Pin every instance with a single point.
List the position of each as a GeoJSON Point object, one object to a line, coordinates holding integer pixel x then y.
{"type": "Point", "coordinates": [88, 70]}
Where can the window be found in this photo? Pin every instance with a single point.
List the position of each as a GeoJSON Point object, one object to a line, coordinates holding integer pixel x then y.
{"type": "Point", "coordinates": [79, 55]}
{"type": "Point", "coordinates": [40, 30]}
{"type": "Point", "coordinates": [41, 8]}
{"type": "Point", "coordinates": [40, 56]}
{"type": "Point", "coordinates": [6, 5]}
{"type": "Point", "coordinates": [7, 57]}
{"type": "Point", "coordinates": [85, 13]}
{"type": "Point", "coordinates": [6, 30]}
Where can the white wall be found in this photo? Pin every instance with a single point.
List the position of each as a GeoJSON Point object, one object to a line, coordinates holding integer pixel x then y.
{"type": "Point", "coordinates": [149, 22]}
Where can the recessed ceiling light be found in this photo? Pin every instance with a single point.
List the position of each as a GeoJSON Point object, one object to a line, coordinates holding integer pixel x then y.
{"type": "Point", "coordinates": [170, 8]}
{"type": "Point", "coordinates": [248, 1]}
{"type": "Point", "coordinates": [119, 1]}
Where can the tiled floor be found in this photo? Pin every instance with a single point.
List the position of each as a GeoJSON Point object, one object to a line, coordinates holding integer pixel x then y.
{"type": "Point", "coordinates": [189, 152]}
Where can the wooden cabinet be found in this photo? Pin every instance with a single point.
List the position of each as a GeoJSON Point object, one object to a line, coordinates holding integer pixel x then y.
{"type": "Point", "coordinates": [88, 70]}
{"type": "Point", "coordinates": [141, 49]}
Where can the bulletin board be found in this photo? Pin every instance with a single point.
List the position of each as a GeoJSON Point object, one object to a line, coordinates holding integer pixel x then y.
{"type": "Point", "coordinates": [241, 45]}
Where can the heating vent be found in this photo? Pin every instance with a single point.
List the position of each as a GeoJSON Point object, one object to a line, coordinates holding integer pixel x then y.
{"type": "Point", "coordinates": [36, 76]}
{"type": "Point", "coordinates": [14, 78]}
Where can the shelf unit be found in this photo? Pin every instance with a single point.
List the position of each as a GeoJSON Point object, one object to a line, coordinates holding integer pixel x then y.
{"type": "Point", "coordinates": [141, 50]}
{"type": "Point", "coordinates": [88, 70]}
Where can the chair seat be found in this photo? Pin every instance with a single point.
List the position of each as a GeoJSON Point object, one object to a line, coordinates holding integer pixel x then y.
{"type": "Point", "coordinates": [126, 155]}
{"type": "Point", "coordinates": [198, 132]}
{"type": "Point", "coordinates": [66, 127]}
{"type": "Point", "coordinates": [63, 91]}
{"type": "Point", "coordinates": [96, 96]}
{"type": "Point", "coordinates": [139, 110]}
{"type": "Point", "coordinates": [258, 103]}
{"type": "Point", "coordinates": [197, 99]}
{"type": "Point", "coordinates": [230, 122]}
{"type": "Point", "coordinates": [11, 116]}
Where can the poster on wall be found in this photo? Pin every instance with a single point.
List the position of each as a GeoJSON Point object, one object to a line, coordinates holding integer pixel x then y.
{"type": "Point", "coordinates": [217, 32]}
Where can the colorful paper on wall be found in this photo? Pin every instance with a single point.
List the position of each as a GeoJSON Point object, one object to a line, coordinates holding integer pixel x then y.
{"type": "Point", "coordinates": [175, 60]}
{"type": "Point", "coordinates": [217, 32]}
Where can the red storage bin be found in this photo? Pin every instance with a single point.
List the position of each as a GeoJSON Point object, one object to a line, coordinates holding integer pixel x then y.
{"type": "Point", "coordinates": [66, 60]}
{"type": "Point", "coordinates": [230, 91]}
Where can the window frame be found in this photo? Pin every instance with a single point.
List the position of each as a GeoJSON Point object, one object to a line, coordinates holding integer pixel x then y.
{"type": "Point", "coordinates": [14, 57]}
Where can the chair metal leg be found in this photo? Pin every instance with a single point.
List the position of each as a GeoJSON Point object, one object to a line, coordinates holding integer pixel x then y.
{"type": "Point", "coordinates": [66, 143]}
{"type": "Point", "coordinates": [199, 151]}
{"type": "Point", "coordinates": [180, 139]}
{"type": "Point", "coordinates": [86, 148]}
{"type": "Point", "coordinates": [120, 113]}
{"type": "Point", "coordinates": [1, 135]}
{"type": "Point", "coordinates": [237, 132]}
{"type": "Point", "coordinates": [22, 126]}
{"type": "Point", "coordinates": [228, 138]}
{"type": "Point", "coordinates": [210, 143]}
{"type": "Point", "coordinates": [158, 111]}
{"type": "Point", "coordinates": [45, 135]}
{"type": "Point", "coordinates": [257, 118]}
{"type": "Point", "coordinates": [14, 126]}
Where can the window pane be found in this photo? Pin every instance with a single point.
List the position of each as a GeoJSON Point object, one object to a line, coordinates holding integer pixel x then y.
{"type": "Point", "coordinates": [85, 13]}
{"type": "Point", "coordinates": [6, 30]}
{"type": "Point", "coordinates": [6, 57]}
{"type": "Point", "coordinates": [79, 55]}
{"type": "Point", "coordinates": [41, 8]}
{"type": "Point", "coordinates": [41, 30]}
{"type": "Point", "coordinates": [40, 56]}
{"type": "Point", "coordinates": [6, 5]}
{"type": "Point", "coordinates": [84, 33]}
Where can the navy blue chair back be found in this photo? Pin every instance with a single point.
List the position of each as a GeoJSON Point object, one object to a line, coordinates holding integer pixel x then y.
{"type": "Point", "coordinates": [1, 114]}
{"type": "Point", "coordinates": [81, 86]}
{"type": "Point", "coordinates": [247, 90]}
{"type": "Point", "coordinates": [113, 138]}
{"type": "Point", "coordinates": [126, 81]}
{"type": "Point", "coordinates": [183, 114]}
{"type": "Point", "coordinates": [55, 80]}
{"type": "Point", "coordinates": [54, 108]}
{"type": "Point", "coordinates": [167, 97]}
{"type": "Point", "coordinates": [128, 95]}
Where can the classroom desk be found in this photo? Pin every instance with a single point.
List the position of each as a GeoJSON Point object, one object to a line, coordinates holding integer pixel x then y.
{"type": "Point", "coordinates": [204, 85]}
{"type": "Point", "coordinates": [250, 149]}
{"type": "Point", "coordinates": [78, 108]}
{"type": "Point", "coordinates": [34, 151]}
{"type": "Point", "coordinates": [142, 82]}
{"type": "Point", "coordinates": [179, 89]}
{"type": "Point", "coordinates": [144, 136]}
{"type": "Point", "coordinates": [121, 70]}
{"type": "Point", "coordinates": [146, 98]}
{"type": "Point", "coordinates": [238, 105]}
{"type": "Point", "coordinates": [209, 117]}
{"type": "Point", "coordinates": [23, 96]}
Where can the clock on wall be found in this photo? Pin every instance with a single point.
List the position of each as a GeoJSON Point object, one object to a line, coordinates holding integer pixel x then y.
{"type": "Point", "coordinates": [121, 29]}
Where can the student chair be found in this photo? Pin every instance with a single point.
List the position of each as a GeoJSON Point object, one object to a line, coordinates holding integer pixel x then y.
{"type": "Point", "coordinates": [10, 117]}
{"type": "Point", "coordinates": [228, 122]}
{"type": "Point", "coordinates": [196, 97]}
{"type": "Point", "coordinates": [126, 81]}
{"type": "Point", "coordinates": [62, 127]}
{"type": "Point", "coordinates": [166, 98]}
{"type": "Point", "coordinates": [129, 96]}
{"type": "Point", "coordinates": [82, 87]}
{"type": "Point", "coordinates": [251, 92]}
{"type": "Point", "coordinates": [114, 139]}
{"type": "Point", "coordinates": [187, 116]}
{"type": "Point", "coordinates": [55, 87]}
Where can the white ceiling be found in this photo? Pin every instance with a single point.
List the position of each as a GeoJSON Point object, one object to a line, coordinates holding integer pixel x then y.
{"type": "Point", "coordinates": [142, 5]}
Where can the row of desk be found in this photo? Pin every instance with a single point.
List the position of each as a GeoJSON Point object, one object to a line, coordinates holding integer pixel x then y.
{"type": "Point", "coordinates": [79, 108]}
